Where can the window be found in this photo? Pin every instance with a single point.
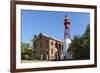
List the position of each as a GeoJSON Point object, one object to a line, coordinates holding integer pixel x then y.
{"type": "Point", "coordinates": [56, 44]}
{"type": "Point", "coordinates": [59, 45]}
{"type": "Point", "coordinates": [52, 51]}
{"type": "Point", "coordinates": [52, 43]}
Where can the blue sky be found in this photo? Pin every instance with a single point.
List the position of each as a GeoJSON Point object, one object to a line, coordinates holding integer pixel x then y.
{"type": "Point", "coordinates": [51, 23]}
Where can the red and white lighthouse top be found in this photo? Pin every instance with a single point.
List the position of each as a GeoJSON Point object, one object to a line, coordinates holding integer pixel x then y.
{"type": "Point", "coordinates": [67, 22]}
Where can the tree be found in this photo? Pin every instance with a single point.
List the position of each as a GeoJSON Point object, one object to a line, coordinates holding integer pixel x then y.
{"type": "Point", "coordinates": [80, 46]}
{"type": "Point", "coordinates": [86, 42]}
{"type": "Point", "coordinates": [26, 51]}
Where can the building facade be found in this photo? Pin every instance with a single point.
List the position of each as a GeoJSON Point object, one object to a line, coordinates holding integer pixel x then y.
{"type": "Point", "coordinates": [47, 48]}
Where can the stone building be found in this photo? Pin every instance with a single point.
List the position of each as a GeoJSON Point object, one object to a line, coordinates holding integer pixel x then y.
{"type": "Point", "coordinates": [47, 48]}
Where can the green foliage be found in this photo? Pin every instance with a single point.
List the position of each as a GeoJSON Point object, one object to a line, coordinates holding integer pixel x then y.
{"type": "Point", "coordinates": [80, 46]}
{"type": "Point", "coordinates": [26, 51]}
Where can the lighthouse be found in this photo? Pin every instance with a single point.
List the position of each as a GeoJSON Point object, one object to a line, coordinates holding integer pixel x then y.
{"type": "Point", "coordinates": [67, 40]}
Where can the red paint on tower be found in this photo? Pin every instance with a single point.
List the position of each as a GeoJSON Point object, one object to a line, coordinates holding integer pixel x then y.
{"type": "Point", "coordinates": [67, 26]}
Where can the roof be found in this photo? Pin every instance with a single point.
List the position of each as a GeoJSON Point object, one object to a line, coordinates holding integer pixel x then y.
{"type": "Point", "coordinates": [51, 37]}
